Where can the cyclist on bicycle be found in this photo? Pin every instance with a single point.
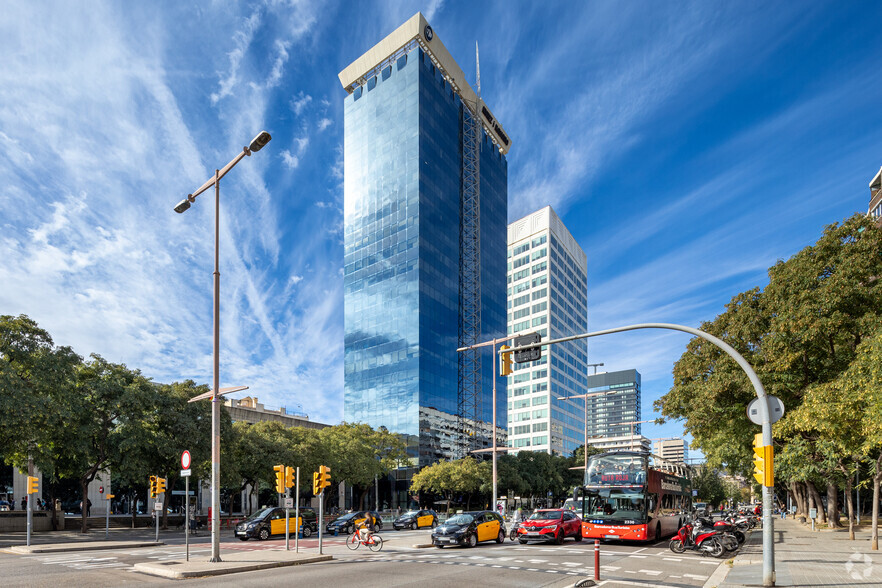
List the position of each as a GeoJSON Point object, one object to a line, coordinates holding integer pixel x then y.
{"type": "Point", "coordinates": [364, 527]}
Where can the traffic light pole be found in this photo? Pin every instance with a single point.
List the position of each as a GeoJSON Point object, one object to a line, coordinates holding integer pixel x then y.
{"type": "Point", "coordinates": [287, 519]}
{"type": "Point", "coordinates": [321, 518]}
{"type": "Point", "coordinates": [765, 415]}
{"type": "Point", "coordinates": [30, 502]}
{"type": "Point", "coordinates": [297, 512]}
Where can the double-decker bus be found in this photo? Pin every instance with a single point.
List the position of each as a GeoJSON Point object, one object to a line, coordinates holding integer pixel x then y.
{"type": "Point", "coordinates": [625, 498]}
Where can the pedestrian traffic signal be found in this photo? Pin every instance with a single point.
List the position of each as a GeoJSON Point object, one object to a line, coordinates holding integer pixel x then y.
{"type": "Point", "coordinates": [530, 354]}
{"type": "Point", "coordinates": [504, 361]}
{"type": "Point", "coordinates": [289, 477]}
{"type": "Point", "coordinates": [33, 485]}
{"type": "Point", "coordinates": [152, 486]}
{"type": "Point", "coordinates": [280, 478]}
{"type": "Point", "coordinates": [316, 485]}
{"type": "Point", "coordinates": [763, 462]}
{"type": "Point", "coordinates": [324, 477]}
{"type": "Point", "coordinates": [160, 485]}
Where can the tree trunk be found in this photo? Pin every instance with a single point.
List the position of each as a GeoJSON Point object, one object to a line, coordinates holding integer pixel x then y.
{"type": "Point", "coordinates": [84, 485]}
{"type": "Point", "coordinates": [165, 497]}
{"type": "Point", "coordinates": [813, 491]}
{"type": "Point", "coordinates": [133, 506]}
{"type": "Point", "coordinates": [833, 506]}
{"type": "Point", "coordinates": [799, 497]}
{"type": "Point", "coordinates": [54, 512]}
{"type": "Point", "coordinates": [850, 501]}
{"type": "Point", "coordinates": [877, 479]}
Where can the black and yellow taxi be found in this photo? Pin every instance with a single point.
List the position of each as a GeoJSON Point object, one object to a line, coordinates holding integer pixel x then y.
{"type": "Point", "coordinates": [347, 523]}
{"type": "Point", "coordinates": [271, 521]}
{"type": "Point", "coordinates": [416, 519]}
{"type": "Point", "coordinates": [469, 529]}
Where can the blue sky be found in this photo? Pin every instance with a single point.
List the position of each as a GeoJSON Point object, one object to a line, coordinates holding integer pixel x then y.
{"type": "Point", "coordinates": [687, 147]}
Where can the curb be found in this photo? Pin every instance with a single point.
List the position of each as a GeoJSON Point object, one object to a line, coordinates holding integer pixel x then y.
{"type": "Point", "coordinates": [166, 569]}
{"type": "Point", "coordinates": [66, 547]}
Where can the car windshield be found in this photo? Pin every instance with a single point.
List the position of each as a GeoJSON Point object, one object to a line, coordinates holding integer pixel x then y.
{"type": "Point", "coordinates": [346, 517]}
{"type": "Point", "coordinates": [411, 513]}
{"type": "Point", "coordinates": [546, 515]}
{"type": "Point", "coordinates": [463, 519]}
{"type": "Point", "coordinates": [260, 514]}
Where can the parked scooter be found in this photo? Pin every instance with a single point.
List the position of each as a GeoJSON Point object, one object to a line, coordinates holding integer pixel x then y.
{"type": "Point", "coordinates": [695, 536]}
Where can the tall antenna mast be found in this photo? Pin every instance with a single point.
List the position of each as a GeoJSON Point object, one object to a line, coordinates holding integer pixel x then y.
{"type": "Point", "coordinates": [478, 68]}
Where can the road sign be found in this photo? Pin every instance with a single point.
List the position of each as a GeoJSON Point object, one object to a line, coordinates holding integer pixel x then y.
{"type": "Point", "coordinates": [185, 460]}
{"type": "Point", "coordinates": [289, 503]}
{"type": "Point", "coordinates": [185, 473]}
{"type": "Point", "coordinates": [157, 506]}
{"type": "Point", "coordinates": [776, 408]}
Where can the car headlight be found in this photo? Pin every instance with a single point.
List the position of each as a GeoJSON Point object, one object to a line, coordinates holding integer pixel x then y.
{"type": "Point", "coordinates": [548, 527]}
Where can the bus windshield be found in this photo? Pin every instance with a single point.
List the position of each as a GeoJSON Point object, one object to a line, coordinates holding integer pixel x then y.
{"type": "Point", "coordinates": [615, 505]}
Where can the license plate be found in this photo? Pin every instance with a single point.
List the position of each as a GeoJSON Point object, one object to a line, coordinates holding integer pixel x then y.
{"type": "Point", "coordinates": [611, 536]}
{"type": "Point", "coordinates": [445, 540]}
{"type": "Point", "coordinates": [532, 534]}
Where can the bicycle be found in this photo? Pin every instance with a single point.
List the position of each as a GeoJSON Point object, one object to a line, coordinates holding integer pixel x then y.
{"type": "Point", "coordinates": [374, 542]}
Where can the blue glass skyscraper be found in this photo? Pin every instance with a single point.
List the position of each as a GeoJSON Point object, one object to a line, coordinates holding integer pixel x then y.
{"type": "Point", "coordinates": [405, 172]}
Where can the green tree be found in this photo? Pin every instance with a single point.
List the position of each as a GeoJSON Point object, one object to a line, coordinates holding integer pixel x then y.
{"type": "Point", "coordinates": [710, 486]}
{"type": "Point", "coordinates": [37, 390]}
{"type": "Point", "coordinates": [108, 403]}
{"type": "Point", "coordinates": [358, 454]}
{"type": "Point", "coordinates": [800, 333]}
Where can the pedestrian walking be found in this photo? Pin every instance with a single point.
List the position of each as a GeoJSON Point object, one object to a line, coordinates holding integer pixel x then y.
{"type": "Point", "coordinates": [24, 502]}
{"type": "Point", "coordinates": [88, 507]}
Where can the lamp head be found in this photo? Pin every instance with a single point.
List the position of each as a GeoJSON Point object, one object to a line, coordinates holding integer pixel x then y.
{"type": "Point", "coordinates": [259, 141]}
{"type": "Point", "coordinates": [182, 205]}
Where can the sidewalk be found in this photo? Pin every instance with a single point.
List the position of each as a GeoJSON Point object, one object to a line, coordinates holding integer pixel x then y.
{"type": "Point", "coordinates": [806, 558]}
{"type": "Point", "coordinates": [233, 563]}
{"type": "Point", "coordinates": [76, 540]}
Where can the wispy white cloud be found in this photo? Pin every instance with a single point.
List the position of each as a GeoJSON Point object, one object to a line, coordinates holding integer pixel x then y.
{"type": "Point", "coordinates": [324, 123]}
{"type": "Point", "coordinates": [291, 157]}
{"type": "Point", "coordinates": [242, 39]}
{"type": "Point", "coordinates": [300, 102]}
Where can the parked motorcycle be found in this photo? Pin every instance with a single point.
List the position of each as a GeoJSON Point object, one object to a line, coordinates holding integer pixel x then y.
{"type": "Point", "coordinates": [695, 536]}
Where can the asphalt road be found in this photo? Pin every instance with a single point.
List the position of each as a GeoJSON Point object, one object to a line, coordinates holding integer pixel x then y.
{"type": "Point", "coordinates": [399, 564]}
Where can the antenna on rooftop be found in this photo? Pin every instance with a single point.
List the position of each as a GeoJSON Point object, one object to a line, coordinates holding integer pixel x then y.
{"type": "Point", "coordinates": [478, 68]}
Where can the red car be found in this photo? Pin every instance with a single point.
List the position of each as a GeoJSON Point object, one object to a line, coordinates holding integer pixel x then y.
{"type": "Point", "coordinates": [553, 524]}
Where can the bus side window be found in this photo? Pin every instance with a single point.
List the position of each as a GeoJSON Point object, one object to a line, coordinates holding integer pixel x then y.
{"type": "Point", "coordinates": [653, 505]}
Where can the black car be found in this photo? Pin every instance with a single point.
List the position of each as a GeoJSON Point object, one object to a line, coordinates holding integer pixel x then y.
{"type": "Point", "coordinates": [271, 521]}
{"type": "Point", "coordinates": [415, 519]}
{"type": "Point", "coordinates": [469, 529]}
{"type": "Point", "coordinates": [346, 524]}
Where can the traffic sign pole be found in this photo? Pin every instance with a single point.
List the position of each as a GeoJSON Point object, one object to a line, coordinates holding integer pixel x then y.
{"type": "Point", "coordinates": [187, 516]}
{"type": "Point", "coordinates": [321, 518]}
{"type": "Point", "coordinates": [287, 518]}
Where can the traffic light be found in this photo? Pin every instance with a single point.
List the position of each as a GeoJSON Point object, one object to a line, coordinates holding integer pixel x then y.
{"type": "Point", "coordinates": [160, 485]}
{"type": "Point", "coordinates": [152, 486]}
{"type": "Point", "coordinates": [316, 485]}
{"type": "Point", "coordinates": [324, 476]}
{"type": "Point", "coordinates": [33, 485]}
{"type": "Point", "coordinates": [280, 478]}
{"type": "Point", "coordinates": [504, 360]}
{"type": "Point", "coordinates": [763, 462]}
{"type": "Point", "coordinates": [531, 354]}
{"type": "Point", "coordinates": [289, 477]}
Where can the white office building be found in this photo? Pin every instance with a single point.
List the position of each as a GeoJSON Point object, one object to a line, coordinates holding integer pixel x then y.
{"type": "Point", "coordinates": [548, 294]}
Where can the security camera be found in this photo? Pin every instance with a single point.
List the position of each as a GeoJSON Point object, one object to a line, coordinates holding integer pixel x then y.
{"type": "Point", "coordinates": [259, 141]}
{"type": "Point", "coordinates": [182, 205]}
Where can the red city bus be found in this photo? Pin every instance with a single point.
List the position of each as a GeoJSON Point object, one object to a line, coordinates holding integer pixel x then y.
{"type": "Point", "coordinates": [625, 498]}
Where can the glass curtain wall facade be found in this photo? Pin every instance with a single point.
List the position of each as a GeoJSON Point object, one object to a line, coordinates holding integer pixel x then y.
{"type": "Point", "coordinates": [621, 405]}
{"type": "Point", "coordinates": [547, 293]}
{"type": "Point", "coordinates": [402, 183]}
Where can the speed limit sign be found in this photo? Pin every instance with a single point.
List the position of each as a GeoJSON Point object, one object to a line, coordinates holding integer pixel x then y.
{"type": "Point", "coordinates": [185, 460]}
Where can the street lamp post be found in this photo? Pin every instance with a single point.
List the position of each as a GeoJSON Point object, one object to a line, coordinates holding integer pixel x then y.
{"type": "Point", "coordinates": [256, 145]}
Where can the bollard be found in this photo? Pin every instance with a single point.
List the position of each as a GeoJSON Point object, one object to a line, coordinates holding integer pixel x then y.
{"type": "Point", "coordinates": [597, 559]}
